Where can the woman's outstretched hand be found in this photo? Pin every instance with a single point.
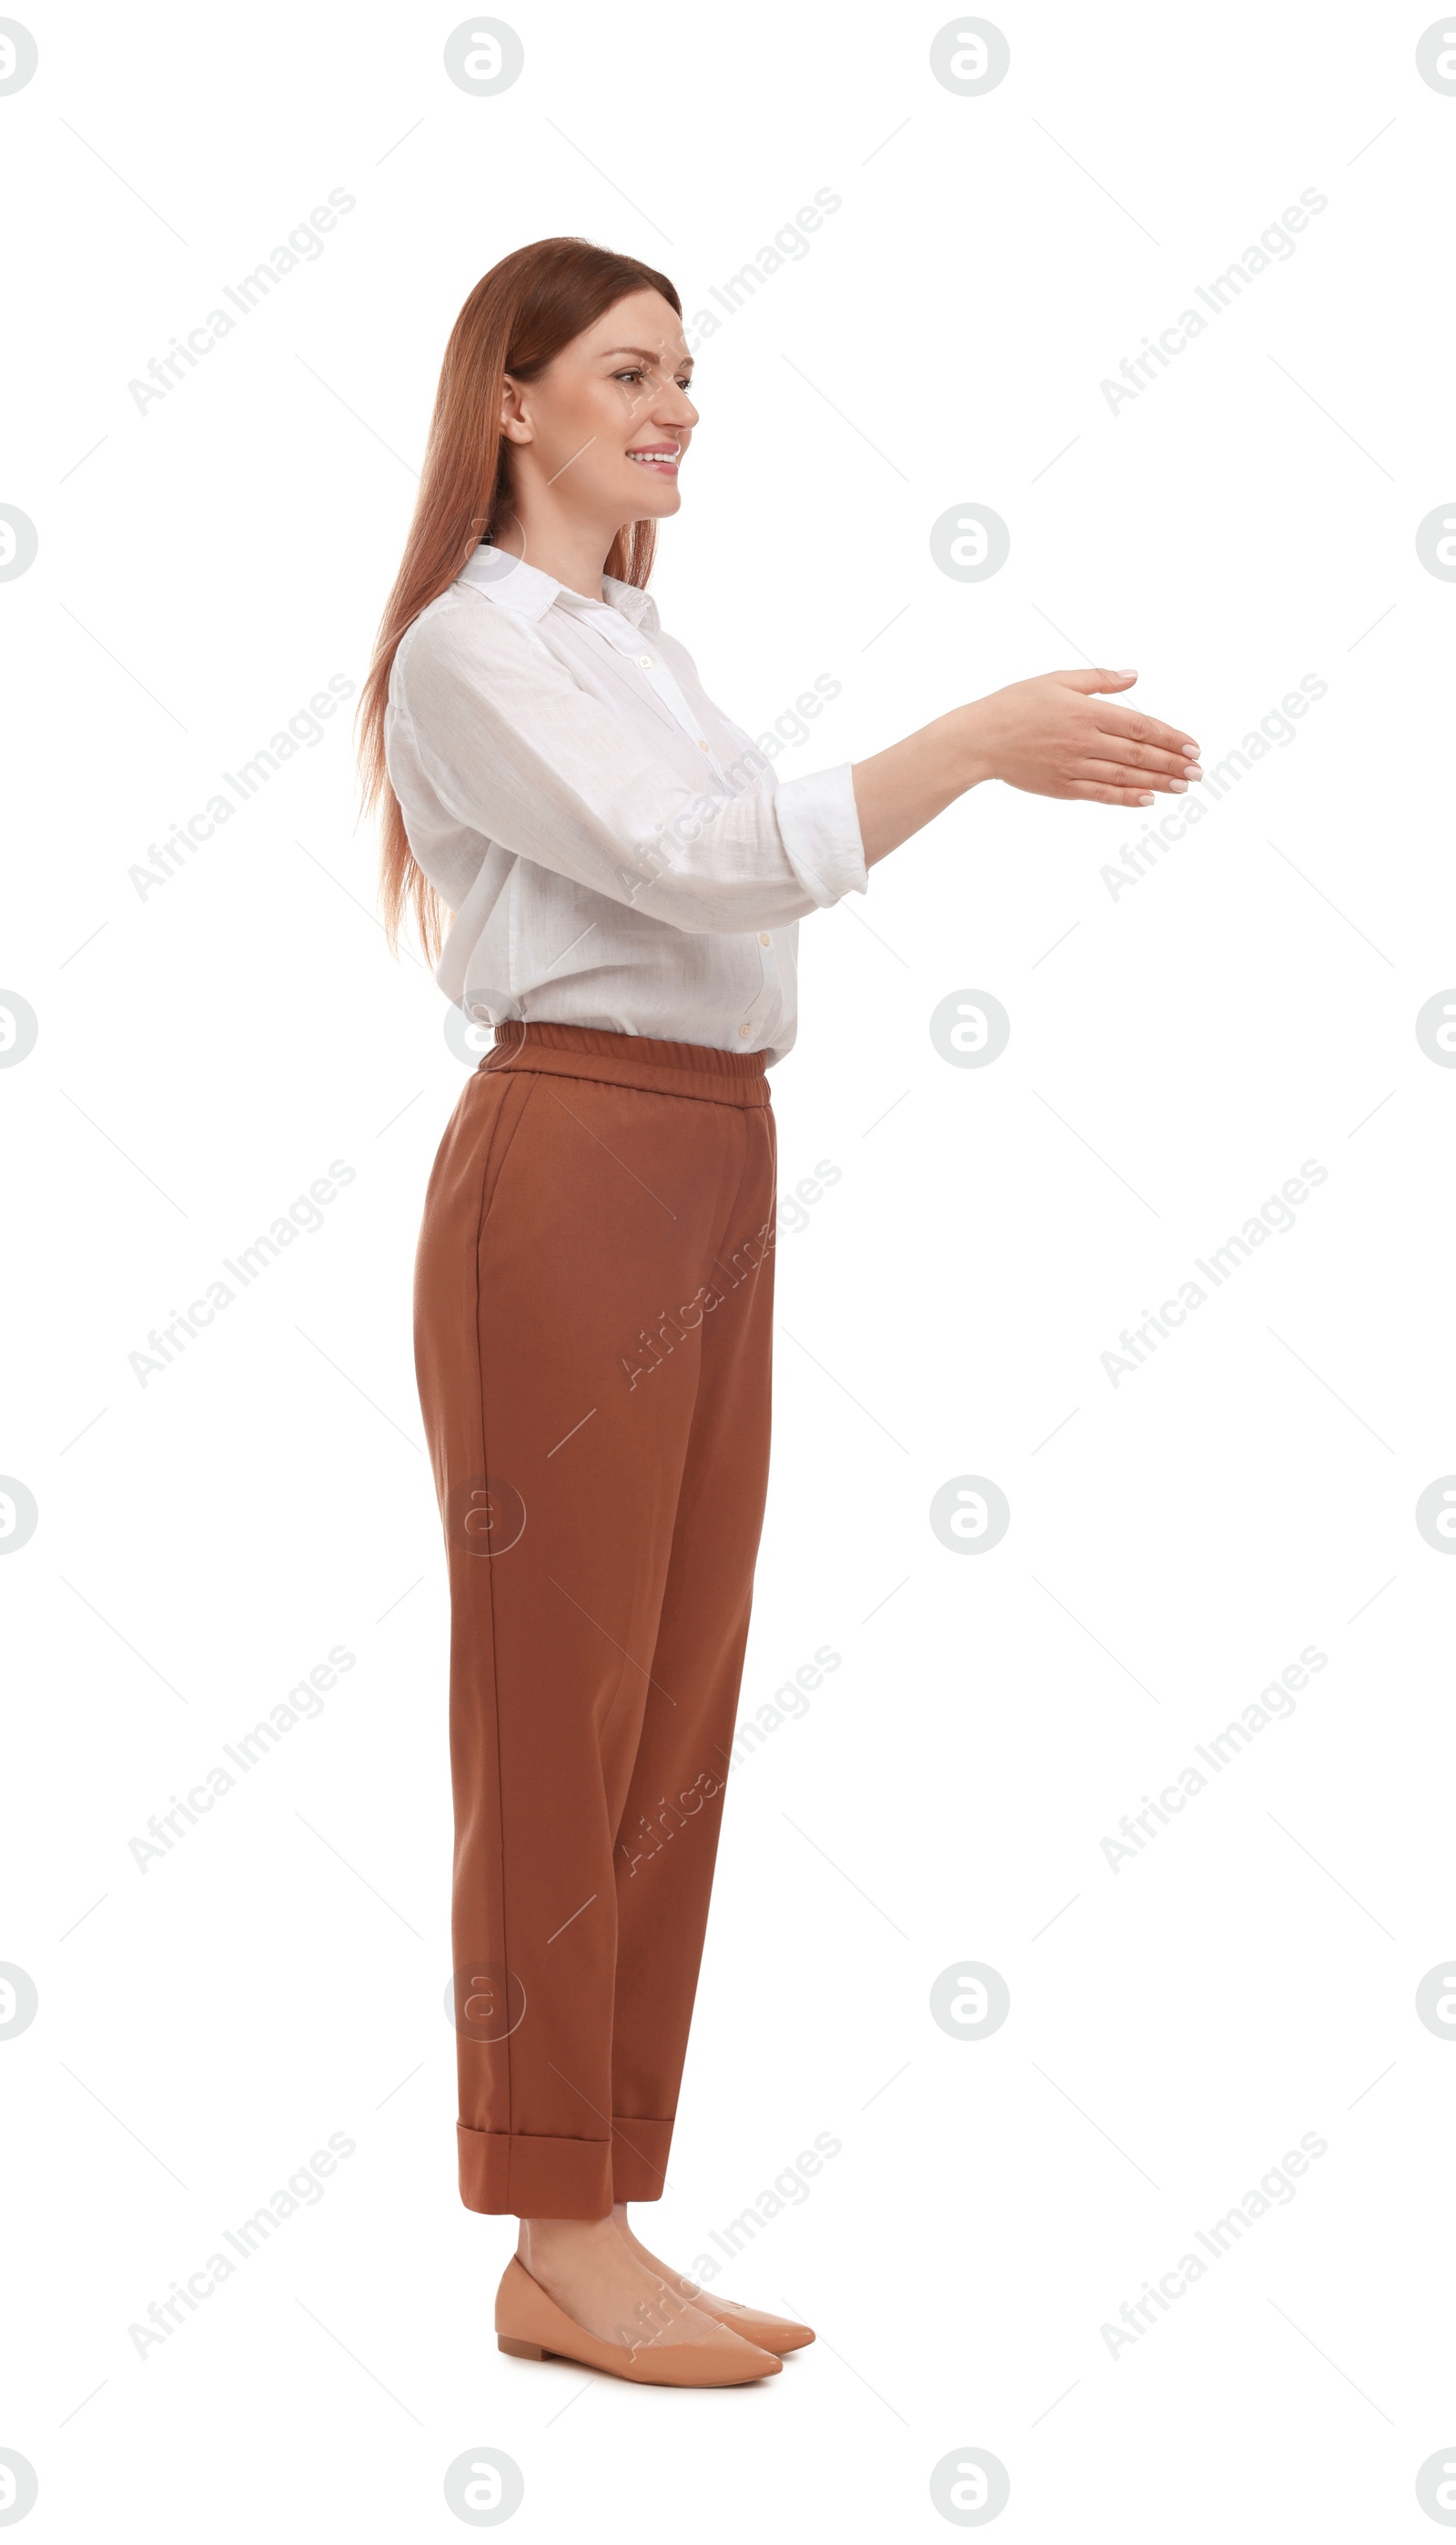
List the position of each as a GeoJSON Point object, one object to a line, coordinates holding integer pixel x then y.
{"type": "Point", "coordinates": [1060, 735]}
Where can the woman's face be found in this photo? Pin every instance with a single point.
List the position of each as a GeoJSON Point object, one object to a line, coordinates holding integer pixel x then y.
{"type": "Point", "coordinates": [606, 425]}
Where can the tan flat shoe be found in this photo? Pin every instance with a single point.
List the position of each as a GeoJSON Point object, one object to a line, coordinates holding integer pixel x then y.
{"type": "Point", "coordinates": [775, 2333]}
{"type": "Point", "coordinates": [529, 2324]}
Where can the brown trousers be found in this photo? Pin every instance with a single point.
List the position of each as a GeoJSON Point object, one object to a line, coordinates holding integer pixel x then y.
{"type": "Point", "coordinates": [592, 1340]}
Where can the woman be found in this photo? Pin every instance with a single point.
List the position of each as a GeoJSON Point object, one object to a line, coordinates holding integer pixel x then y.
{"type": "Point", "coordinates": [594, 1273]}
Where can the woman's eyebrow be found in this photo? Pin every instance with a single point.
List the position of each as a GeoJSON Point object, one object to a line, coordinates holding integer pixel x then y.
{"type": "Point", "coordinates": [640, 351]}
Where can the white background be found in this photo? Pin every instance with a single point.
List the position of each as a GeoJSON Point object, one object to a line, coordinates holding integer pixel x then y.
{"type": "Point", "coordinates": [1176, 1053]}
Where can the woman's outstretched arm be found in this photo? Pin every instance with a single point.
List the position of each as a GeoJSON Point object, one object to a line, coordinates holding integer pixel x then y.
{"type": "Point", "coordinates": [1051, 736]}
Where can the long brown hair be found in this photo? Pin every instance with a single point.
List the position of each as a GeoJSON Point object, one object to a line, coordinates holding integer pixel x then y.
{"type": "Point", "coordinates": [518, 319]}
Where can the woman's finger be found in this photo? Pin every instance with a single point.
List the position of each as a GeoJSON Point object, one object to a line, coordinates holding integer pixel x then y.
{"type": "Point", "coordinates": [1112, 773]}
{"type": "Point", "coordinates": [1143, 728]}
{"type": "Point", "coordinates": [1091, 793]}
{"type": "Point", "coordinates": [1141, 755]}
{"type": "Point", "coordinates": [1088, 680]}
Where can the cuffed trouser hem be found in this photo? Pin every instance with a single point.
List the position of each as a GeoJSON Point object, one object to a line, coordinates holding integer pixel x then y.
{"type": "Point", "coordinates": [535, 2177]}
{"type": "Point", "coordinates": [639, 2156]}
{"type": "Point", "coordinates": [563, 2178]}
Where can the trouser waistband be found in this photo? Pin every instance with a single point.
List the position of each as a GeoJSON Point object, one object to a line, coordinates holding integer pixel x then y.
{"type": "Point", "coordinates": [663, 1068]}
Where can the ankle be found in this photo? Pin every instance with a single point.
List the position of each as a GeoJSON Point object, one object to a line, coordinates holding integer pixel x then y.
{"type": "Point", "coordinates": [549, 2243]}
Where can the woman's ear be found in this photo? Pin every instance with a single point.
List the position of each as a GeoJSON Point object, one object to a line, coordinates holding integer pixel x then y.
{"type": "Point", "coordinates": [514, 423]}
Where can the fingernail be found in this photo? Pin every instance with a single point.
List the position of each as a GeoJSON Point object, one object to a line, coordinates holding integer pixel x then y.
{"type": "Point", "coordinates": [1145, 799]}
{"type": "Point", "coordinates": [1177, 787]}
{"type": "Point", "coordinates": [1191, 769]}
{"type": "Point", "coordinates": [1126, 674]}
{"type": "Point", "coordinates": [1191, 751]}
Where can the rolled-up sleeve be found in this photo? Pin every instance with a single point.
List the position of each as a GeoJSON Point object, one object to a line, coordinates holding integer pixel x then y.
{"type": "Point", "coordinates": [519, 753]}
{"type": "Point", "coordinates": [819, 823]}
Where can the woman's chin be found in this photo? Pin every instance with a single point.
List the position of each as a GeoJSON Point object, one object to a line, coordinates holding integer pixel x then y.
{"type": "Point", "coordinates": [658, 499]}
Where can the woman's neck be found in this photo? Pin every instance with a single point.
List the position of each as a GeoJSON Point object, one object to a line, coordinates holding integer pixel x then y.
{"type": "Point", "coordinates": [573, 553]}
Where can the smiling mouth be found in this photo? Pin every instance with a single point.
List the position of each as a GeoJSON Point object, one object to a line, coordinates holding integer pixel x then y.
{"type": "Point", "coordinates": [664, 459]}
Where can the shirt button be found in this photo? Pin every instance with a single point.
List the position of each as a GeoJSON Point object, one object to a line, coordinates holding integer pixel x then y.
{"type": "Point", "coordinates": [646, 662]}
{"type": "Point", "coordinates": [702, 745]}
{"type": "Point", "coordinates": [743, 1029]}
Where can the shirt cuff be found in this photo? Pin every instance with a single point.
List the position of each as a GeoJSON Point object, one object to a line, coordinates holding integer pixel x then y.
{"type": "Point", "coordinates": [818, 824]}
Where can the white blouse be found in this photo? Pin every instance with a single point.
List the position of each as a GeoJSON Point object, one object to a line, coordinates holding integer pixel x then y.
{"type": "Point", "coordinates": [614, 851]}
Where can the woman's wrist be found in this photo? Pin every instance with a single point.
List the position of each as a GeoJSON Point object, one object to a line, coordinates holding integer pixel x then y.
{"type": "Point", "coordinates": [973, 741]}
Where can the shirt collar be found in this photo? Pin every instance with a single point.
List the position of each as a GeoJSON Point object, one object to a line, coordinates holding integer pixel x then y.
{"type": "Point", "coordinates": [514, 585]}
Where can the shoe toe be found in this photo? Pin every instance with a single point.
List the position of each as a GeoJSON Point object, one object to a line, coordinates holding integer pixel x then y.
{"type": "Point", "coordinates": [775, 2333]}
